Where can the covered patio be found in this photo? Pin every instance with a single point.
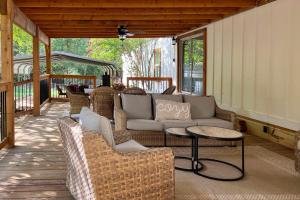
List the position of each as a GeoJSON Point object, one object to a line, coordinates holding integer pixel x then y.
{"type": "Point", "coordinates": [234, 51]}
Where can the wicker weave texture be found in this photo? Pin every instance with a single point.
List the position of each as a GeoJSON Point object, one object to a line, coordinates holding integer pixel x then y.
{"type": "Point", "coordinates": [103, 101]}
{"type": "Point", "coordinates": [144, 175]}
{"type": "Point", "coordinates": [77, 101]}
{"type": "Point", "coordinates": [96, 171]}
{"type": "Point", "coordinates": [297, 153]}
{"type": "Point", "coordinates": [78, 177]}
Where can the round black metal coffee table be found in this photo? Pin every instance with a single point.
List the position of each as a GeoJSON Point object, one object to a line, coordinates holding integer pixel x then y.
{"type": "Point", "coordinates": [215, 133]}
{"type": "Point", "coordinates": [180, 132]}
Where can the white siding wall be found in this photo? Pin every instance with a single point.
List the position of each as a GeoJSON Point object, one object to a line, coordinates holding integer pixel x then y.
{"type": "Point", "coordinates": [254, 63]}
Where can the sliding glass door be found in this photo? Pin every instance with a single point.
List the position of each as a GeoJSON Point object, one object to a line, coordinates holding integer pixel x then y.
{"type": "Point", "coordinates": [193, 65]}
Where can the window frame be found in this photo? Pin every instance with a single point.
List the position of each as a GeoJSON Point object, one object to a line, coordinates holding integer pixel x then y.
{"type": "Point", "coordinates": [180, 54]}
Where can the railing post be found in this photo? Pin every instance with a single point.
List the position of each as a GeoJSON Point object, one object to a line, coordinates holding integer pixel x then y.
{"type": "Point", "coordinates": [36, 74]}
{"type": "Point", "coordinates": [94, 80]}
{"type": "Point", "coordinates": [7, 66]}
{"type": "Point", "coordinates": [48, 67]}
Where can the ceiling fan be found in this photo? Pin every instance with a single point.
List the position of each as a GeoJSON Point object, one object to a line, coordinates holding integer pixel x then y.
{"type": "Point", "coordinates": [123, 33]}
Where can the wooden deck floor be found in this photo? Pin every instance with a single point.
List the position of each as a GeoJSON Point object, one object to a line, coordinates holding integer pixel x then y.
{"type": "Point", "coordinates": [36, 169]}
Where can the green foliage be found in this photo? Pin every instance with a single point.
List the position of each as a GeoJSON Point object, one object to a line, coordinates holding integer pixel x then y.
{"type": "Point", "coordinates": [22, 42]}
{"type": "Point", "coordinates": [71, 45]}
{"type": "Point", "coordinates": [111, 50]}
{"type": "Point", "coordinates": [136, 50]}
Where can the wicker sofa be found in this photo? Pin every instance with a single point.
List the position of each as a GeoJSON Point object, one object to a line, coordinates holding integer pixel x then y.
{"type": "Point", "coordinates": [150, 132]}
{"type": "Point", "coordinates": [98, 170]}
{"type": "Point", "coordinates": [297, 152]}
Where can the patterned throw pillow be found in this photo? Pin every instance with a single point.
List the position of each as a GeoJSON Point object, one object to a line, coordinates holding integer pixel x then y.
{"type": "Point", "coordinates": [167, 110]}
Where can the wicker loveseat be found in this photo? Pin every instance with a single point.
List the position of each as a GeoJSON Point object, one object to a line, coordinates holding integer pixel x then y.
{"type": "Point", "coordinates": [150, 132]}
{"type": "Point", "coordinates": [96, 170]}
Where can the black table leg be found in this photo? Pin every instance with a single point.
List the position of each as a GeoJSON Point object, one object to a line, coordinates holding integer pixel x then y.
{"type": "Point", "coordinates": [241, 170]}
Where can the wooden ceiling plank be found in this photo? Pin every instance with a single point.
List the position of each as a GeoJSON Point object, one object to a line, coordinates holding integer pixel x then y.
{"type": "Point", "coordinates": [130, 11]}
{"type": "Point", "coordinates": [135, 4]}
{"type": "Point", "coordinates": [120, 22]}
{"type": "Point", "coordinates": [123, 17]}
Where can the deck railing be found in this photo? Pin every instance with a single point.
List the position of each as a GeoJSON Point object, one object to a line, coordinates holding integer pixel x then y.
{"type": "Point", "coordinates": [23, 95]}
{"type": "Point", "coordinates": [3, 115]}
{"type": "Point", "coordinates": [150, 84]}
{"type": "Point", "coordinates": [62, 81]}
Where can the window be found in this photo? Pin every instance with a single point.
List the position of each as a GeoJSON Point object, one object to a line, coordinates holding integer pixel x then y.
{"type": "Point", "coordinates": [193, 64]}
{"type": "Point", "coordinates": [157, 62]}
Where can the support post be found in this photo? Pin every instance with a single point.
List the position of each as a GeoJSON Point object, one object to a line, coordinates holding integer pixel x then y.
{"type": "Point", "coordinates": [36, 74]}
{"type": "Point", "coordinates": [48, 67]}
{"type": "Point", "coordinates": [7, 66]}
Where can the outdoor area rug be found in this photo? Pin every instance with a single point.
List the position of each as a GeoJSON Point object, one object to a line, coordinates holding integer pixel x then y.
{"type": "Point", "coordinates": [269, 176]}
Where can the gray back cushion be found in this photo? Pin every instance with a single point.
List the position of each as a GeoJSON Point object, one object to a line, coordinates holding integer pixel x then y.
{"type": "Point", "coordinates": [137, 106]}
{"type": "Point", "coordinates": [100, 124]}
{"type": "Point", "coordinates": [177, 98]}
{"type": "Point", "coordinates": [201, 106]}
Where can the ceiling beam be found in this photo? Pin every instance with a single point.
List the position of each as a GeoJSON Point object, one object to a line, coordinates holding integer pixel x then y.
{"type": "Point", "coordinates": [135, 4]}
{"type": "Point", "coordinates": [120, 22]}
{"type": "Point", "coordinates": [141, 17]}
{"type": "Point", "coordinates": [76, 35]}
{"type": "Point", "coordinates": [130, 11]}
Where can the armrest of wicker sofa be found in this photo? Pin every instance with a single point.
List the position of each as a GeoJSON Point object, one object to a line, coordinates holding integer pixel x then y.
{"type": "Point", "coordinates": [297, 151]}
{"type": "Point", "coordinates": [121, 136]}
{"type": "Point", "coordinates": [226, 115]}
{"type": "Point", "coordinates": [140, 175]}
{"type": "Point", "coordinates": [120, 119]}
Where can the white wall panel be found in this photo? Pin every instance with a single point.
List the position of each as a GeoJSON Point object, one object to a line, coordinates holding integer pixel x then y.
{"type": "Point", "coordinates": [218, 40]}
{"type": "Point", "coordinates": [227, 62]}
{"type": "Point", "coordinates": [293, 97]}
{"type": "Point", "coordinates": [255, 61]}
{"type": "Point", "coordinates": [210, 61]}
{"type": "Point", "coordinates": [249, 60]}
{"type": "Point", "coordinates": [237, 61]}
{"type": "Point", "coordinates": [263, 59]}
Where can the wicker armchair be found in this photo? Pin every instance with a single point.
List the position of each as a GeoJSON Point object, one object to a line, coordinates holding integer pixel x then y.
{"type": "Point", "coordinates": [77, 101]}
{"type": "Point", "coordinates": [96, 171]}
{"type": "Point", "coordinates": [297, 152]}
{"type": "Point", "coordinates": [102, 99]}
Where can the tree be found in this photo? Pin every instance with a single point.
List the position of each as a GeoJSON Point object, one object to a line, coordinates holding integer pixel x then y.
{"type": "Point", "coordinates": [22, 42]}
{"type": "Point", "coordinates": [138, 52]}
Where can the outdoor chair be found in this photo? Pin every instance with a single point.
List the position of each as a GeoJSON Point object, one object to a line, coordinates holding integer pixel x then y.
{"type": "Point", "coordinates": [134, 91]}
{"type": "Point", "coordinates": [60, 92]}
{"type": "Point", "coordinates": [77, 101]}
{"type": "Point", "coordinates": [170, 90]}
{"type": "Point", "coordinates": [96, 170]}
{"type": "Point", "coordinates": [102, 99]}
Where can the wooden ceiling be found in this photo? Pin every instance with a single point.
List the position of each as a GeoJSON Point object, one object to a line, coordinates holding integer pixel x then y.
{"type": "Point", "coordinates": [148, 18]}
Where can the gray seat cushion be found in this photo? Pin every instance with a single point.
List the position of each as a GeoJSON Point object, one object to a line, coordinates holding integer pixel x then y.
{"type": "Point", "coordinates": [177, 123]}
{"type": "Point", "coordinates": [214, 122]}
{"type": "Point", "coordinates": [202, 107]}
{"type": "Point", "coordinates": [177, 98]}
{"type": "Point", "coordinates": [137, 106]}
{"type": "Point", "coordinates": [144, 124]}
{"type": "Point", "coordinates": [130, 146]}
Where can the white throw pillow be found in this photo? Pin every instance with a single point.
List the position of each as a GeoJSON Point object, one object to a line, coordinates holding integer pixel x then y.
{"type": "Point", "coordinates": [167, 110]}
{"type": "Point", "coordinates": [94, 122]}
